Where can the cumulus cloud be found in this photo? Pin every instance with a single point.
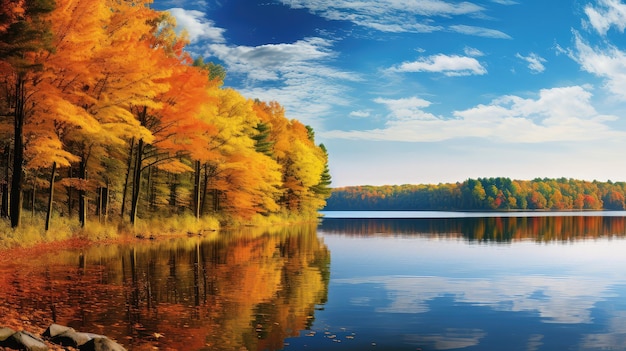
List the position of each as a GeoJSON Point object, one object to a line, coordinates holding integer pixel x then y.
{"type": "Point", "coordinates": [277, 62]}
{"type": "Point", "coordinates": [197, 26]}
{"type": "Point", "coordinates": [300, 74]}
{"type": "Point", "coordinates": [608, 63]}
{"type": "Point", "coordinates": [607, 14]}
{"type": "Point", "coordinates": [453, 65]}
{"type": "Point", "coordinates": [557, 114]}
{"type": "Point", "coordinates": [535, 62]}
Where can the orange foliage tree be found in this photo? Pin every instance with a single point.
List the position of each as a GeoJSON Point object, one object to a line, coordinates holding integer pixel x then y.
{"type": "Point", "coordinates": [105, 91]}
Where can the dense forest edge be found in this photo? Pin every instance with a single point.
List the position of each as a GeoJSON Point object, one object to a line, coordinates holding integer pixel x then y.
{"type": "Point", "coordinates": [108, 123]}
{"type": "Point", "coordinates": [493, 194]}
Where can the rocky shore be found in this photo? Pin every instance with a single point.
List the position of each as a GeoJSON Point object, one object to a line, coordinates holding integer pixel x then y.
{"type": "Point", "coordinates": [56, 335]}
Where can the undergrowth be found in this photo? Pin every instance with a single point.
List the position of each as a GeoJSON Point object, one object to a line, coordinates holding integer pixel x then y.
{"type": "Point", "coordinates": [32, 228]}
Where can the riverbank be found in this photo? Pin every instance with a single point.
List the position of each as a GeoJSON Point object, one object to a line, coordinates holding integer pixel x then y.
{"type": "Point", "coordinates": [31, 231]}
{"type": "Point", "coordinates": [67, 233]}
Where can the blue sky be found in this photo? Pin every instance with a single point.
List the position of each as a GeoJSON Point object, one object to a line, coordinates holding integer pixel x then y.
{"type": "Point", "coordinates": [432, 91]}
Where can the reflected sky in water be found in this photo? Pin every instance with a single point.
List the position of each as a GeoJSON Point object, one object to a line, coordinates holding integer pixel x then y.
{"type": "Point", "coordinates": [407, 288]}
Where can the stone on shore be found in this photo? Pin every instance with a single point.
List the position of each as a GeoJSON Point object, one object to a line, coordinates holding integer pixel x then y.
{"type": "Point", "coordinates": [73, 338]}
{"type": "Point", "coordinates": [56, 329]}
{"type": "Point", "coordinates": [58, 335]}
{"type": "Point", "coordinates": [23, 340]}
{"type": "Point", "coordinates": [5, 333]}
{"type": "Point", "coordinates": [101, 344]}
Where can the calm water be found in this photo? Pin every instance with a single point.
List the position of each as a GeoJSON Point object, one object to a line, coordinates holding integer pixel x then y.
{"type": "Point", "coordinates": [446, 281]}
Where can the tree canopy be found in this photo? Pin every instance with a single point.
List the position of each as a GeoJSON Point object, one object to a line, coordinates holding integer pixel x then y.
{"type": "Point", "coordinates": [484, 194]}
{"type": "Point", "coordinates": [100, 100]}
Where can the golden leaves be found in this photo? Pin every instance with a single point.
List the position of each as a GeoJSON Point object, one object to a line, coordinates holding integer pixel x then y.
{"type": "Point", "coordinates": [120, 73]}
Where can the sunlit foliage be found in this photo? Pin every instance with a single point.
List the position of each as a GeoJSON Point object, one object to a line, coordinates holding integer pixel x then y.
{"type": "Point", "coordinates": [102, 108]}
{"type": "Point", "coordinates": [485, 194]}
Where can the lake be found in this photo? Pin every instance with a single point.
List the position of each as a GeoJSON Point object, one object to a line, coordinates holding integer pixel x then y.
{"type": "Point", "coordinates": [382, 281]}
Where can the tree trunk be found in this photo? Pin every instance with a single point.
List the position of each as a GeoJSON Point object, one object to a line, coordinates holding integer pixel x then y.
{"type": "Point", "coordinates": [102, 204]}
{"type": "Point", "coordinates": [216, 200]}
{"type": "Point", "coordinates": [196, 191]}
{"type": "Point", "coordinates": [69, 193]}
{"type": "Point", "coordinates": [17, 180]}
{"type": "Point", "coordinates": [82, 200]}
{"type": "Point", "coordinates": [50, 195]}
{"type": "Point", "coordinates": [173, 202]}
{"type": "Point", "coordinates": [151, 190]}
{"type": "Point", "coordinates": [129, 164]}
{"type": "Point", "coordinates": [4, 211]}
{"type": "Point", "coordinates": [32, 200]}
{"type": "Point", "coordinates": [136, 182]}
{"type": "Point", "coordinates": [205, 185]}
{"type": "Point", "coordinates": [105, 203]}
{"type": "Point", "coordinates": [99, 203]}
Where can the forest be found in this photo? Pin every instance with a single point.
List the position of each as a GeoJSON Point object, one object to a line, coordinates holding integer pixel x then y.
{"type": "Point", "coordinates": [103, 114]}
{"type": "Point", "coordinates": [484, 194]}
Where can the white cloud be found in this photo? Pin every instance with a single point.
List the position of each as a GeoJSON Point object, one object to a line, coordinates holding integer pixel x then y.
{"type": "Point", "coordinates": [268, 62]}
{"type": "Point", "coordinates": [535, 62]}
{"type": "Point", "coordinates": [300, 75]}
{"type": "Point", "coordinates": [197, 26]}
{"type": "Point", "coordinates": [479, 31]}
{"type": "Point", "coordinates": [360, 114]}
{"type": "Point", "coordinates": [473, 52]}
{"type": "Point", "coordinates": [558, 114]}
{"type": "Point", "coordinates": [608, 13]}
{"type": "Point", "coordinates": [347, 9]}
{"type": "Point", "coordinates": [407, 109]}
{"type": "Point", "coordinates": [505, 2]}
{"type": "Point", "coordinates": [182, 3]}
{"type": "Point", "coordinates": [453, 65]}
{"type": "Point", "coordinates": [608, 64]}
{"type": "Point", "coordinates": [396, 16]}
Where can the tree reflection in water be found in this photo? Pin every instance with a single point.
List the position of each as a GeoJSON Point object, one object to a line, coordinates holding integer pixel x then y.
{"type": "Point", "coordinates": [239, 289]}
{"type": "Point", "coordinates": [484, 229]}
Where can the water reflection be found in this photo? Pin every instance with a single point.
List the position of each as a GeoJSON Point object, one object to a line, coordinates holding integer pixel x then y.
{"type": "Point", "coordinates": [424, 284]}
{"type": "Point", "coordinates": [489, 229]}
{"type": "Point", "coordinates": [239, 290]}
{"type": "Point", "coordinates": [401, 284]}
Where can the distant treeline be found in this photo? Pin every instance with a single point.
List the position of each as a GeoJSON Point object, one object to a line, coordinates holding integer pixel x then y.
{"type": "Point", "coordinates": [484, 194]}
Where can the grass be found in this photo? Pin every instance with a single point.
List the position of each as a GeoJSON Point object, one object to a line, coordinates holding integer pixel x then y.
{"type": "Point", "coordinates": [31, 230]}
{"type": "Point", "coordinates": [180, 224]}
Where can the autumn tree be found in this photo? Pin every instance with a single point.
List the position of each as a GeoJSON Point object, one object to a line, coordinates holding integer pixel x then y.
{"type": "Point", "coordinates": [240, 178]}
{"type": "Point", "coordinates": [303, 163]}
{"type": "Point", "coordinates": [25, 35]}
{"type": "Point", "coordinates": [98, 94]}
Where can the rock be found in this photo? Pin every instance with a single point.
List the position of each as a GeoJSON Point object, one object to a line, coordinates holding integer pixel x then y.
{"type": "Point", "coordinates": [24, 340]}
{"type": "Point", "coordinates": [56, 329]}
{"type": "Point", "coordinates": [101, 344]}
{"type": "Point", "coordinates": [73, 338]}
{"type": "Point", "coordinates": [5, 333]}
{"type": "Point", "coordinates": [60, 335]}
